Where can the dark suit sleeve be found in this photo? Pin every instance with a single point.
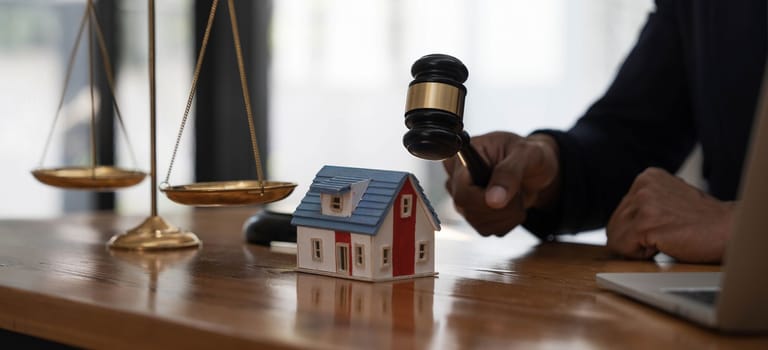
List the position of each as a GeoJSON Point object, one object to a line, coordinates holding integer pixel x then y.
{"type": "Point", "coordinates": [644, 119]}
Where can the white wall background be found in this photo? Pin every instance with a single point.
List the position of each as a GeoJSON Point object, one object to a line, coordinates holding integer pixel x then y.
{"type": "Point", "coordinates": [339, 73]}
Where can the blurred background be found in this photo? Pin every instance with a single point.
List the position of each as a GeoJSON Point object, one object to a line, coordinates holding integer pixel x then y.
{"type": "Point", "coordinates": [327, 78]}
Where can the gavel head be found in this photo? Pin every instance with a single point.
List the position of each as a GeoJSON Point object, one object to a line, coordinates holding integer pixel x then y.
{"type": "Point", "coordinates": [434, 107]}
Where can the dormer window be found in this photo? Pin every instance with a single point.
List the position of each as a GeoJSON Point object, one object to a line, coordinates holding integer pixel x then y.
{"type": "Point", "coordinates": [336, 204]}
{"type": "Point", "coordinates": [340, 195]}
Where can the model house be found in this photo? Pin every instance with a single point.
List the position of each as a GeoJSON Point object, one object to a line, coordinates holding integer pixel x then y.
{"type": "Point", "coordinates": [366, 224]}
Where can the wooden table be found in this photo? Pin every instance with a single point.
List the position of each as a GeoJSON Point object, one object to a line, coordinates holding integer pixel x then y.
{"type": "Point", "coordinates": [58, 281]}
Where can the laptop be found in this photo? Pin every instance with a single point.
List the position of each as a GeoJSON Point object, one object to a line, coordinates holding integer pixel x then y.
{"type": "Point", "coordinates": [735, 299]}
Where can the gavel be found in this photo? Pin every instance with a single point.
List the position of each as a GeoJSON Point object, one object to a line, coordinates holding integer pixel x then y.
{"type": "Point", "coordinates": [434, 111]}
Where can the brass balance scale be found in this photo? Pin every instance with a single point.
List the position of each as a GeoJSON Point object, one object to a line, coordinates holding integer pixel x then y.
{"type": "Point", "coordinates": [155, 233]}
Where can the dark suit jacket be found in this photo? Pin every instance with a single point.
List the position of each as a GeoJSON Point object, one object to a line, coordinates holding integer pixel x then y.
{"type": "Point", "coordinates": [693, 77]}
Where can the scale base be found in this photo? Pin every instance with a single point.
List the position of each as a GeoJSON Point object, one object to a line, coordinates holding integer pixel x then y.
{"type": "Point", "coordinates": [154, 234]}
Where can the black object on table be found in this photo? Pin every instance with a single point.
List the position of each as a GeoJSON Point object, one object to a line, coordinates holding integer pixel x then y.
{"type": "Point", "coordinates": [268, 226]}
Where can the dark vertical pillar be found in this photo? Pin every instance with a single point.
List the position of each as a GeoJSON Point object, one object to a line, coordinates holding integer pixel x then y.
{"type": "Point", "coordinates": [222, 141]}
{"type": "Point", "coordinates": [106, 11]}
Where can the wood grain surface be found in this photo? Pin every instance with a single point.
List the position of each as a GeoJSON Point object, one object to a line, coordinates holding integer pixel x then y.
{"type": "Point", "coordinates": [58, 281]}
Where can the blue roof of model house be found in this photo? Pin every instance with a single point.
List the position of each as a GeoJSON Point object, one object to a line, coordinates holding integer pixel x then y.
{"type": "Point", "coordinates": [373, 207]}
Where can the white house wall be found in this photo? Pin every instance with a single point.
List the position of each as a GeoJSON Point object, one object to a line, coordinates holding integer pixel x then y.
{"type": "Point", "coordinates": [424, 232]}
{"type": "Point", "coordinates": [366, 242]}
{"type": "Point", "coordinates": [382, 238]}
{"type": "Point", "coordinates": [304, 238]}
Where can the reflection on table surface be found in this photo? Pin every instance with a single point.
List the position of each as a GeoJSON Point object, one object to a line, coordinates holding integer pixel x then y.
{"type": "Point", "coordinates": [59, 281]}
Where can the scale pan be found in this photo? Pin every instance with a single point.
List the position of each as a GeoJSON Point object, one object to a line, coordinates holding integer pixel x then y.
{"type": "Point", "coordinates": [228, 193]}
{"type": "Point", "coordinates": [89, 178]}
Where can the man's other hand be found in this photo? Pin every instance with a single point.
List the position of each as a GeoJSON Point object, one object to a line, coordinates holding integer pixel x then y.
{"type": "Point", "coordinates": [662, 213]}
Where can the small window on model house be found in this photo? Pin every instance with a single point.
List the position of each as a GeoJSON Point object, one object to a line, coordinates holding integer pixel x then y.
{"type": "Point", "coordinates": [422, 251]}
{"type": "Point", "coordinates": [406, 205]}
{"type": "Point", "coordinates": [359, 255]}
{"type": "Point", "coordinates": [317, 249]}
{"type": "Point", "coordinates": [386, 256]}
{"type": "Point", "coordinates": [336, 203]}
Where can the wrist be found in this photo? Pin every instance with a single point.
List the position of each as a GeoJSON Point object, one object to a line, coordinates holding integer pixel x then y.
{"type": "Point", "coordinates": [547, 144]}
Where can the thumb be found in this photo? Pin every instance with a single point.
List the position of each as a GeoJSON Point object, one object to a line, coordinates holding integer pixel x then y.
{"type": "Point", "coordinates": [521, 175]}
{"type": "Point", "coordinates": [505, 181]}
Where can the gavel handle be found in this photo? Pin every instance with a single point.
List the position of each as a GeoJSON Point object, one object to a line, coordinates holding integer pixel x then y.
{"type": "Point", "coordinates": [478, 170]}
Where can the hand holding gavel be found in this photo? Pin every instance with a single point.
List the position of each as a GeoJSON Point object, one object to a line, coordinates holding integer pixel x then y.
{"type": "Point", "coordinates": [524, 171]}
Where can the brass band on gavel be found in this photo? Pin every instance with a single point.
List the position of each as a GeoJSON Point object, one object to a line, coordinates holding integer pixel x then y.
{"type": "Point", "coordinates": [434, 95]}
